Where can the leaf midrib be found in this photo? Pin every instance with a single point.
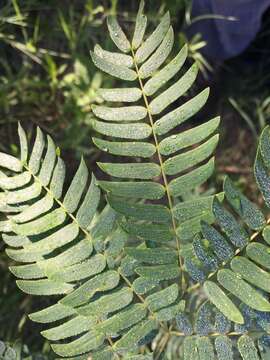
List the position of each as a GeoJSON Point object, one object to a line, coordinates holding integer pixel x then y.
{"type": "Point", "coordinates": [161, 163]}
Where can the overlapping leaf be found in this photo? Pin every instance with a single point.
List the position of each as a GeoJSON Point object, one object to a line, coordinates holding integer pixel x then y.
{"type": "Point", "coordinates": [66, 248]}
{"type": "Point", "coordinates": [233, 263]}
{"type": "Point", "coordinates": [209, 334]}
{"type": "Point", "coordinates": [160, 163]}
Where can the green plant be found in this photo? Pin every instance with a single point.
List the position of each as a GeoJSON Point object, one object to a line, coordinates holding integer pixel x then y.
{"type": "Point", "coordinates": [254, 109]}
{"type": "Point", "coordinates": [147, 275]}
{"type": "Point", "coordinates": [17, 351]}
{"type": "Point", "coordinates": [154, 178]}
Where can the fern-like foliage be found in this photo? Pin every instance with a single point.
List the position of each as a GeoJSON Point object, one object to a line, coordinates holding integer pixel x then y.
{"type": "Point", "coordinates": [231, 261]}
{"type": "Point", "coordinates": [236, 256]}
{"type": "Point", "coordinates": [207, 333]}
{"type": "Point", "coordinates": [113, 296]}
{"type": "Point", "coordinates": [69, 250]}
{"type": "Point", "coordinates": [156, 173]}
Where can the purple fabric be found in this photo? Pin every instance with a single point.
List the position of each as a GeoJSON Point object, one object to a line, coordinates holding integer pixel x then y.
{"type": "Point", "coordinates": [225, 38]}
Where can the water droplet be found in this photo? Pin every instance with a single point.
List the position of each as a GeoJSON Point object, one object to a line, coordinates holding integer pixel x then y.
{"type": "Point", "coordinates": [105, 149]}
{"type": "Point", "coordinates": [174, 136]}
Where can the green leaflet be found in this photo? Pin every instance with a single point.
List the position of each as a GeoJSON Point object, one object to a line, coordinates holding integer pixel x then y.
{"type": "Point", "coordinates": [181, 114]}
{"type": "Point", "coordinates": [170, 312]}
{"type": "Point", "coordinates": [131, 339]}
{"type": "Point", "coordinates": [15, 240]}
{"type": "Point", "coordinates": [43, 287]}
{"type": "Point", "coordinates": [104, 224]}
{"type": "Point", "coordinates": [174, 92]}
{"type": "Point", "coordinates": [140, 27]}
{"type": "Point", "coordinates": [218, 242]}
{"type": "Point", "coordinates": [106, 353]}
{"type": "Point", "coordinates": [224, 348]}
{"type": "Point", "coordinates": [264, 349]}
{"type": "Point", "coordinates": [153, 256]}
{"type": "Point", "coordinates": [48, 163]}
{"type": "Point", "coordinates": [70, 328]}
{"type": "Point", "coordinates": [238, 287]}
{"type": "Point", "coordinates": [265, 146]}
{"type": "Point", "coordinates": [159, 272]}
{"type": "Point", "coordinates": [145, 171]}
{"type": "Point", "coordinates": [248, 211]}
{"type": "Point", "coordinates": [187, 210]}
{"type": "Point", "coordinates": [124, 131]}
{"type": "Point", "coordinates": [222, 302]}
{"type": "Point", "coordinates": [125, 113]}
{"type": "Point", "coordinates": [10, 209]}
{"type": "Point", "coordinates": [107, 304]}
{"type": "Point", "coordinates": [89, 341]}
{"type": "Point", "coordinates": [76, 188]}
{"type": "Point", "coordinates": [73, 327]}
{"type": "Point", "coordinates": [191, 180]}
{"type": "Point", "coordinates": [6, 183]}
{"type": "Point", "coordinates": [190, 348]}
{"type": "Point", "coordinates": [189, 228]}
{"type": "Point", "coordinates": [58, 178]}
{"type": "Point", "coordinates": [71, 256]}
{"type": "Point", "coordinates": [113, 57]}
{"type": "Point", "coordinates": [190, 158]}
{"type": "Point", "coordinates": [43, 224]}
{"type": "Point", "coordinates": [187, 138]}
{"type": "Point", "coordinates": [24, 194]}
{"type": "Point", "coordinates": [33, 211]}
{"type": "Point", "coordinates": [165, 74]}
{"type": "Point", "coordinates": [251, 272]}
{"type": "Point", "coordinates": [266, 234]}
{"type": "Point", "coordinates": [120, 72]}
{"type": "Point", "coordinates": [116, 243]}
{"type": "Point", "coordinates": [142, 285]}
{"type": "Point", "coordinates": [260, 254]}
{"type": "Point", "coordinates": [153, 41]}
{"type": "Point", "coordinates": [81, 270]}
{"type": "Point", "coordinates": [35, 158]}
{"type": "Point", "coordinates": [247, 348]}
{"type": "Point", "coordinates": [235, 232]}
{"type": "Point", "coordinates": [23, 144]}
{"type": "Point", "coordinates": [59, 238]}
{"type": "Point", "coordinates": [205, 348]}
{"type": "Point", "coordinates": [123, 320]}
{"type": "Point", "coordinates": [138, 149]}
{"type": "Point", "coordinates": [117, 34]}
{"type": "Point", "coordinates": [158, 57]}
{"type": "Point", "coordinates": [52, 314]}
{"type": "Point", "coordinates": [102, 282]}
{"type": "Point", "coordinates": [89, 205]}
{"type": "Point", "coordinates": [121, 94]}
{"type": "Point", "coordinates": [148, 212]}
{"type": "Point", "coordinates": [35, 251]}
{"type": "Point", "coordinates": [162, 298]}
{"type": "Point", "coordinates": [24, 256]}
{"type": "Point", "coordinates": [31, 271]}
{"type": "Point", "coordinates": [155, 232]}
{"type": "Point", "coordinates": [262, 177]}
{"type": "Point", "coordinates": [5, 226]}
{"type": "Point", "coordinates": [144, 190]}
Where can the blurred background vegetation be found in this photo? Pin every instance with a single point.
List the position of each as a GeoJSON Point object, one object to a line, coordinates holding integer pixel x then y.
{"type": "Point", "coordinates": [47, 79]}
